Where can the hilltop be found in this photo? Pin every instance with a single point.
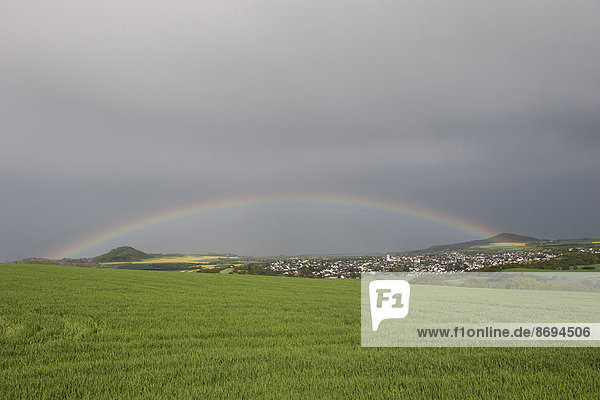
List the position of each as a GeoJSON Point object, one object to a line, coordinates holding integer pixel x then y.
{"type": "Point", "coordinates": [501, 240]}
{"type": "Point", "coordinates": [512, 238]}
{"type": "Point", "coordinates": [123, 254]}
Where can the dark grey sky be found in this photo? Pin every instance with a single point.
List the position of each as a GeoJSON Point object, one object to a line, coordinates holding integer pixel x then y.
{"type": "Point", "coordinates": [489, 111]}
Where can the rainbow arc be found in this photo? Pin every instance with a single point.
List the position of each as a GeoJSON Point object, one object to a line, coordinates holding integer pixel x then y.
{"type": "Point", "coordinates": [429, 215]}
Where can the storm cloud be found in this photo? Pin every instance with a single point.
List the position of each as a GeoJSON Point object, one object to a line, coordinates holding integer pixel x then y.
{"type": "Point", "coordinates": [110, 110]}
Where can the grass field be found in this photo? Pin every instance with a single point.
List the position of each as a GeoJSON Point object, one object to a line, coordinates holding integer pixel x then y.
{"type": "Point", "coordinates": [69, 332]}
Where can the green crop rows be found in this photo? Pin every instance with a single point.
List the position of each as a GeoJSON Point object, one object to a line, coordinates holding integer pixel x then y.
{"type": "Point", "coordinates": [69, 332]}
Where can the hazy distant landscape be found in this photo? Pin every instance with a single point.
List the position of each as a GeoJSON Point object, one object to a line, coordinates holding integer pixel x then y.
{"type": "Point", "coordinates": [503, 252]}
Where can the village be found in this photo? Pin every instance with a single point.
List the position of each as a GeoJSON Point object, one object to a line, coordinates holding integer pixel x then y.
{"type": "Point", "coordinates": [447, 262]}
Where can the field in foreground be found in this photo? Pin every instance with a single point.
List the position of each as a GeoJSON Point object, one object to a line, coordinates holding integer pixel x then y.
{"type": "Point", "coordinates": [69, 332]}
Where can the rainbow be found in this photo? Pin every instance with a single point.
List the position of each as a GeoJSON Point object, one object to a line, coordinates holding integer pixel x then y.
{"type": "Point", "coordinates": [429, 215]}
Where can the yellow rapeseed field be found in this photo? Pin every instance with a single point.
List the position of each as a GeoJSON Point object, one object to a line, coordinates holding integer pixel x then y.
{"type": "Point", "coordinates": [502, 244]}
{"type": "Point", "coordinates": [198, 269]}
{"type": "Point", "coordinates": [177, 259]}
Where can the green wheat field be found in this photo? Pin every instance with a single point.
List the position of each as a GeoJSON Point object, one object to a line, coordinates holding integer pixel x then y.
{"type": "Point", "coordinates": [71, 332]}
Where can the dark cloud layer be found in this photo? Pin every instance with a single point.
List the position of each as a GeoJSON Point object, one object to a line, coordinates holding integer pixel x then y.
{"type": "Point", "coordinates": [109, 110]}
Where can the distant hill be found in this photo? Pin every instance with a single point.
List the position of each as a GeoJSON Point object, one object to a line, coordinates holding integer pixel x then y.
{"type": "Point", "coordinates": [501, 240]}
{"type": "Point", "coordinates": [123, 254]}
{"type": "Point", "coordinates": [512, 238]}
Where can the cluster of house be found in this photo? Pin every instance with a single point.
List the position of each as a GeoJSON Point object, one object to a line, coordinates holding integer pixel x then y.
{"type": "Point", "coordinates": [416, 263]}
{"type": "Point", "coordinates": [327, 268]}
{"type": "Point", "coordinates": [457, 261]}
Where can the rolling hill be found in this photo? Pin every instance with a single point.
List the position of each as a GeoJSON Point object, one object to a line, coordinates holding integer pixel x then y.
{"type": "Point", "coordinates": [123, 254]}
{"type": "Point", "coordinates": [502, 240]}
